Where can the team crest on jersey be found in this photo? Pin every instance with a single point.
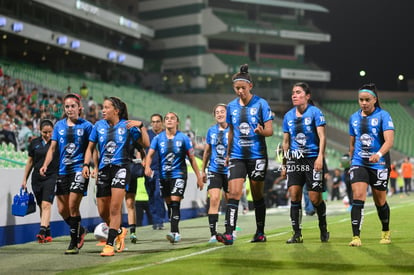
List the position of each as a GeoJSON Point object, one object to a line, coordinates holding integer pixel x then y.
{"type": "Point", "coordinates": [79, 132]}
{"type": "Point", "coordinates": [374, 121]}
{"type": "Point", "coordinates": [121, 131]}
{"type": "Point", "coordinates": [253, 111]}
{"type": "Point", "coordinates": [307, 121]}
{"type": "Point", "coordinates": [178, 143]}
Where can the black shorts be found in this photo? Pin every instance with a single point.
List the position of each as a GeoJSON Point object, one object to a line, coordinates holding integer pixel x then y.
{"type": "Point", "coordinates": [112, 176]}
{"type": "Point", "coordinates": [172, 187]}
{"type": "Point", "coordinates": [136, 171]}
{"type": "Point", "coordinates": [216, 180]}
{"type": "Point", "coordinates": [74, 183]}
{"type": "Point", "coordinates": [301, 172]}
{"type": "Point", "coordinates": [377, 179]}
{"type": "Point", "coordinates": [255, 169]}
{"type": "Point", "coordinates": [44, 188]}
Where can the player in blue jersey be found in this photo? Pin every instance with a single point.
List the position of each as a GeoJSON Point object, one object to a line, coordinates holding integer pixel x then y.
{"type": "Point", "coordinates": [116, 138]}
{"type": "Point", "coordinates": [303, 145]}
{"type": "Point", "coordinates": [173, 147]}
{"type": "Point", "coordinates": [250, 120]}
{"type": "Point", "coordinates": [214, 157]}
{"type": "Point", "coordinates": [371, 133]}
{"type": "Point", "coordinates": [43, 186]}
{"type": "Point", "coordinates": [70, 137]}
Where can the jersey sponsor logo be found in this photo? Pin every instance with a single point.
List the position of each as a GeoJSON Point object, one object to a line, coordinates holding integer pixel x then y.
{"type": "Point", "coordinates": [290, 123]}
{"type": "Point", "coordinates": [245, 143]}
{"type": "Point", "coordinates": [221, 150]}
{"type": "Point", "coordinates": [390, 124]}
{"type": "Point", "coordinates": [322, 118]}
{"type": "Point", "coordinates": [260, 165]}
{"type": "Point", "coordinates": [70, 148]}
{"type": "Point", "coordinates": [62, 132]}
{"type": "Point", "coordinates": [119, 177]}
{"type": "Point", "coordinates": [178, 187]}
{"type": "Point", "coordinates": [244, 128]}
{"type": "Point", "coordinates": [366, 140]}
{"type": "Point", "coordinates": [316, 184]}
{"type": "Point", "coordinates": [101, 131]}
{"type": "Point", "coordinates": [234, 113]}
{"type": "Point", "coordinates": [110, 147]}
{"type": "Point", "coordinates": [382, 174]}
{"type": "Point", "coordinates": [374, 121]}
{"type": "Point", "coordinates": [301, 139]}
{"type": "Point", "coordinates": [355, 123]}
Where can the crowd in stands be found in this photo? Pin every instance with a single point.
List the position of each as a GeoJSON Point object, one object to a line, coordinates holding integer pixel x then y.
{"type": "Point", "coordinates": [21, 110]}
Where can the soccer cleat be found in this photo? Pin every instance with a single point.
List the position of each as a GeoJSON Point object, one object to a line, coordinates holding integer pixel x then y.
{"type": "Point", "coordinates": [108, 250]}
{"type": "Point", "coordinates": [41, 238]}
{"type": "Point", "coordinates": [259, 237]}
{"type": "Point", "coordinates": [213, 239]}
{"type": "Point", "coordinates": [173, 237]}
{"type": "Point", "coordinates": [72, 249]}
{"type": "Point", "coordinates": [296, 238]}
{"type": "Point", "coordinates": [226, 239]}
{"type": "Point", "coordinates": [385, 237]}
{"type": "Point", "coordinates": [324, 236]}
{"type": "Point", "coordinates": [48, 239]}
{"type": "Point", "coordinates": [120, 240]}
{"type": "Point", "coordinates": [82, 233]}
{"type": "Point", "coordinates": [133, 238]}
{"type": "Point", "coordinates": [356, 241]}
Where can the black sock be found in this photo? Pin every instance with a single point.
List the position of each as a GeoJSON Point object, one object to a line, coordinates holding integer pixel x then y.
{"type": "Point", "coordinates": [132, 228]}
{"type": "Point", "coordinates": [43, 230]}
{"type": "Point", "coordinates": [212, 221]}
{"type": "Point", "coordinates": [384, 216]}
{"type": "Point", "coordinates": [48, 233]}
{"type": "Point", "coordinates": [74, 228]}
{"type": "Point", "coordinates": [231, 215]}
{"type": "Point", "coordinates": [175, 216]}
{"type": "Point", "coordinates": [67, 221]}
{"type": "Point", "coordinates": [321, 210]}
{"type": "Point", "coordinates": [169, 210]}
{"type": "Point", "coordinates": [295, 216]}
{"type": "Point", "coordinates": [260, 212]}
{"type": "Point", "coordinates": [357, 214]}
{"type": "Point", "coordinates": [112, 233]}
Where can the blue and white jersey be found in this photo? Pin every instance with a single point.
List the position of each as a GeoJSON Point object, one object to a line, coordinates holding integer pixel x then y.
{"type": "Point", "coordinates": [218, 140]}
{"type": "Point", "coordinates": [114, 142]}
{"type": "Point", "coordinates": [72, 142]}
{"type": "Point", "coordinates": [304, 139]}
{"type": "Point", "coordinates": [172, 154]}
{"type": "Point", "coordinates": [369, 137]}
{"type": "Point", "coordinates": [244, 119]}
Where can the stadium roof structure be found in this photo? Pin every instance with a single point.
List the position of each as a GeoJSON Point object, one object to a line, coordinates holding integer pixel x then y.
{"type": "Point", "coordinates": [285, 4]}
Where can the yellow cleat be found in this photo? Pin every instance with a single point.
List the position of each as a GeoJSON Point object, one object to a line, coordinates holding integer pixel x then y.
{"type": "Point", "coordinates": [120, 240]}
{"type": "Point", "coordinates": [385, 237]}
{"type": "Point", "coordinates": [108, 250]}
{"type": "Point", "coordinates": [356, 241]}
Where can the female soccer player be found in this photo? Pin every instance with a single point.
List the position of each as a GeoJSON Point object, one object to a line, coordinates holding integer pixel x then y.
{"type": "Point", "coordinates": [70, 137]}
{"type": "Point", "coordinates": [371, 133]}
{"type": "Point", "coordinates": [250, 121]}
{"type": "Point", "coordinates": [303, 145]}
{"type": "Point", "coordinates": [116, 138]}
{"type": "Point", "coordinates": [43, 186]}
{"type": "Point", "coordinates": [173, 147]}
{"type": "Point", "coordinates": [214, 157]}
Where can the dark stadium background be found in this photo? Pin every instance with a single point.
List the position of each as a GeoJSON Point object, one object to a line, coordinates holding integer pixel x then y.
{"type": "Point", "coordinates": [372, 35]}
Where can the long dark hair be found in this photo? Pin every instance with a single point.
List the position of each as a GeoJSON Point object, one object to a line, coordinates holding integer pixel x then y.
{"type": "Point", "coordinates": [306, 88]}
{"type": "Point", "coordinates": [371, 87]}
{"type": "Point", "coordinates": [120, 106]}
{"type": "Point", "coordinates": [77, 98]}
{"type": "Point", "coordinates": [243, 74]}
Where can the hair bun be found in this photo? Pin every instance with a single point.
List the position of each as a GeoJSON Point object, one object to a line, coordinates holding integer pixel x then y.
{"type": "Point", "coordinates": [244, 69]}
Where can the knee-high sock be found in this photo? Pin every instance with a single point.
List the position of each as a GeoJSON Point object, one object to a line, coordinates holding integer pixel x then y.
{"type": "Point", "coordinates": [321, 211]}
{"type": "Point", "coordinates": [357, 216]}
{"type": "Point", "coordinates": [212, 221]}
{"type": "Point", "coordinates": [260, 212]}
{"type": "Point", "coordinates": [231, 215]}
{"type": "Point", "coordinates": [295, 215]}
{"type": "Point", "coordinates": [384, 216]}
{"type": "Point", "coordinates": [74, 228]}
{"type": "Point", "coordinates": [175, 216]}
{"type": "Point", "coordinates": [112, 233]}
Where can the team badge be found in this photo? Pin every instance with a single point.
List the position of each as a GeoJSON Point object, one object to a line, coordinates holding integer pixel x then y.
{"type": "Point", "coordinates": [374, 121]}
{"type": "Point", "coordinates": [253, 111]}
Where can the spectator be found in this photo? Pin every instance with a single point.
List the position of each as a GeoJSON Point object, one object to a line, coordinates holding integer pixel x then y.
{"type": "Point", "coordinates": [337, 181]}
{"type": "Point", "coordinates": [407, 174]}
{"type": "Point", "coordinates": [25, 135]}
